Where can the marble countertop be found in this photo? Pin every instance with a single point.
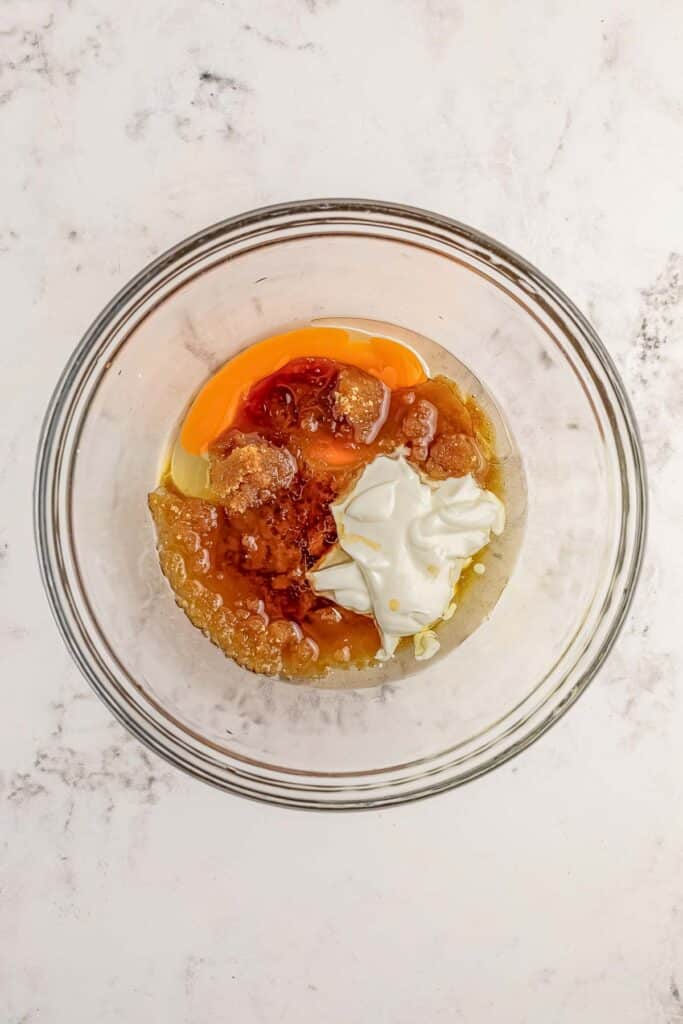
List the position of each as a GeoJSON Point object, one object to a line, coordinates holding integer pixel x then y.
{"type": "Point", "coordinates": [550, 890]}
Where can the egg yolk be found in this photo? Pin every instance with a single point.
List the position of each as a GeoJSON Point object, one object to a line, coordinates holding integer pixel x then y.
{"type": "Point", "coordinates": [214, 408]}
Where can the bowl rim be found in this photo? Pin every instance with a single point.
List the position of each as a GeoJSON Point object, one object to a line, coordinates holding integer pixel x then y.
{"type": "Point", "coordinates": [245, 783]}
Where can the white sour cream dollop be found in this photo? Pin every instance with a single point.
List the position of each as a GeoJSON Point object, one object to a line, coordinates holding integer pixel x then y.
{"type": "Point", "coordinates": [403, 542]}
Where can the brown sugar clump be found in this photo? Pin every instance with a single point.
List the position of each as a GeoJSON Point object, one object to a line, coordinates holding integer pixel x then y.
{"type": "Point", "coordinates": [362, 401]}
{"type": "Point", "coordinates": [419, 427]}
{"type": "Point", "coordinates": [247, 471]}
{"type": "Point", "coordinates": [456, 455]}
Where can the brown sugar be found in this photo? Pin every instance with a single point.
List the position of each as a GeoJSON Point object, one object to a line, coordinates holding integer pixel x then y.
{"type": "Point", "coordinates": [226, 603]}
{"type": "Point", "coordinates": [419, 427]}
{"type": "Point", "coordinates": [455, 455]}
{"type": "Point", "coordinates": [247, 471]}
{"type": "Point", "coordinates": [238, 564]}
{"type": "Point", "coordinates": [362, 401]}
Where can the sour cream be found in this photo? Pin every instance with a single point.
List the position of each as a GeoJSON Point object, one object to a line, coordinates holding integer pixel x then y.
{"type": "Point", "coordinates": [403, 542]}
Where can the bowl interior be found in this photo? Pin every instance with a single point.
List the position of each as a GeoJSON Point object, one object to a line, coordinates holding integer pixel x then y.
{"type": "Point", "coordinates": [556, 614]}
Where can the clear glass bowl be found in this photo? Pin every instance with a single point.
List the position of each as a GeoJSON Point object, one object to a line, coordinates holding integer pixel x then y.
{"type": "Point", "coordinates": [444, 722]}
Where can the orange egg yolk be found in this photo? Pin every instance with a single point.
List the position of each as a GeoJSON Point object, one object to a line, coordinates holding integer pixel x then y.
{"type": "Point", "coordinates": [214, 408]}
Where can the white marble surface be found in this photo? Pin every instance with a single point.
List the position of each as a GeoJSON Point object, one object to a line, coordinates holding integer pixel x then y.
{"type": "Point", "coordinates": [550, 891]}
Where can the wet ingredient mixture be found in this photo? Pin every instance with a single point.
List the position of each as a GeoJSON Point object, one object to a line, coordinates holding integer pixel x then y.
{"type": "Point", "coordinates": [245, 515]}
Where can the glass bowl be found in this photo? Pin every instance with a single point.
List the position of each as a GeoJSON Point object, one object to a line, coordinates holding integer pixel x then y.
{"type": "Point", "coordinates": [440, 723]}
